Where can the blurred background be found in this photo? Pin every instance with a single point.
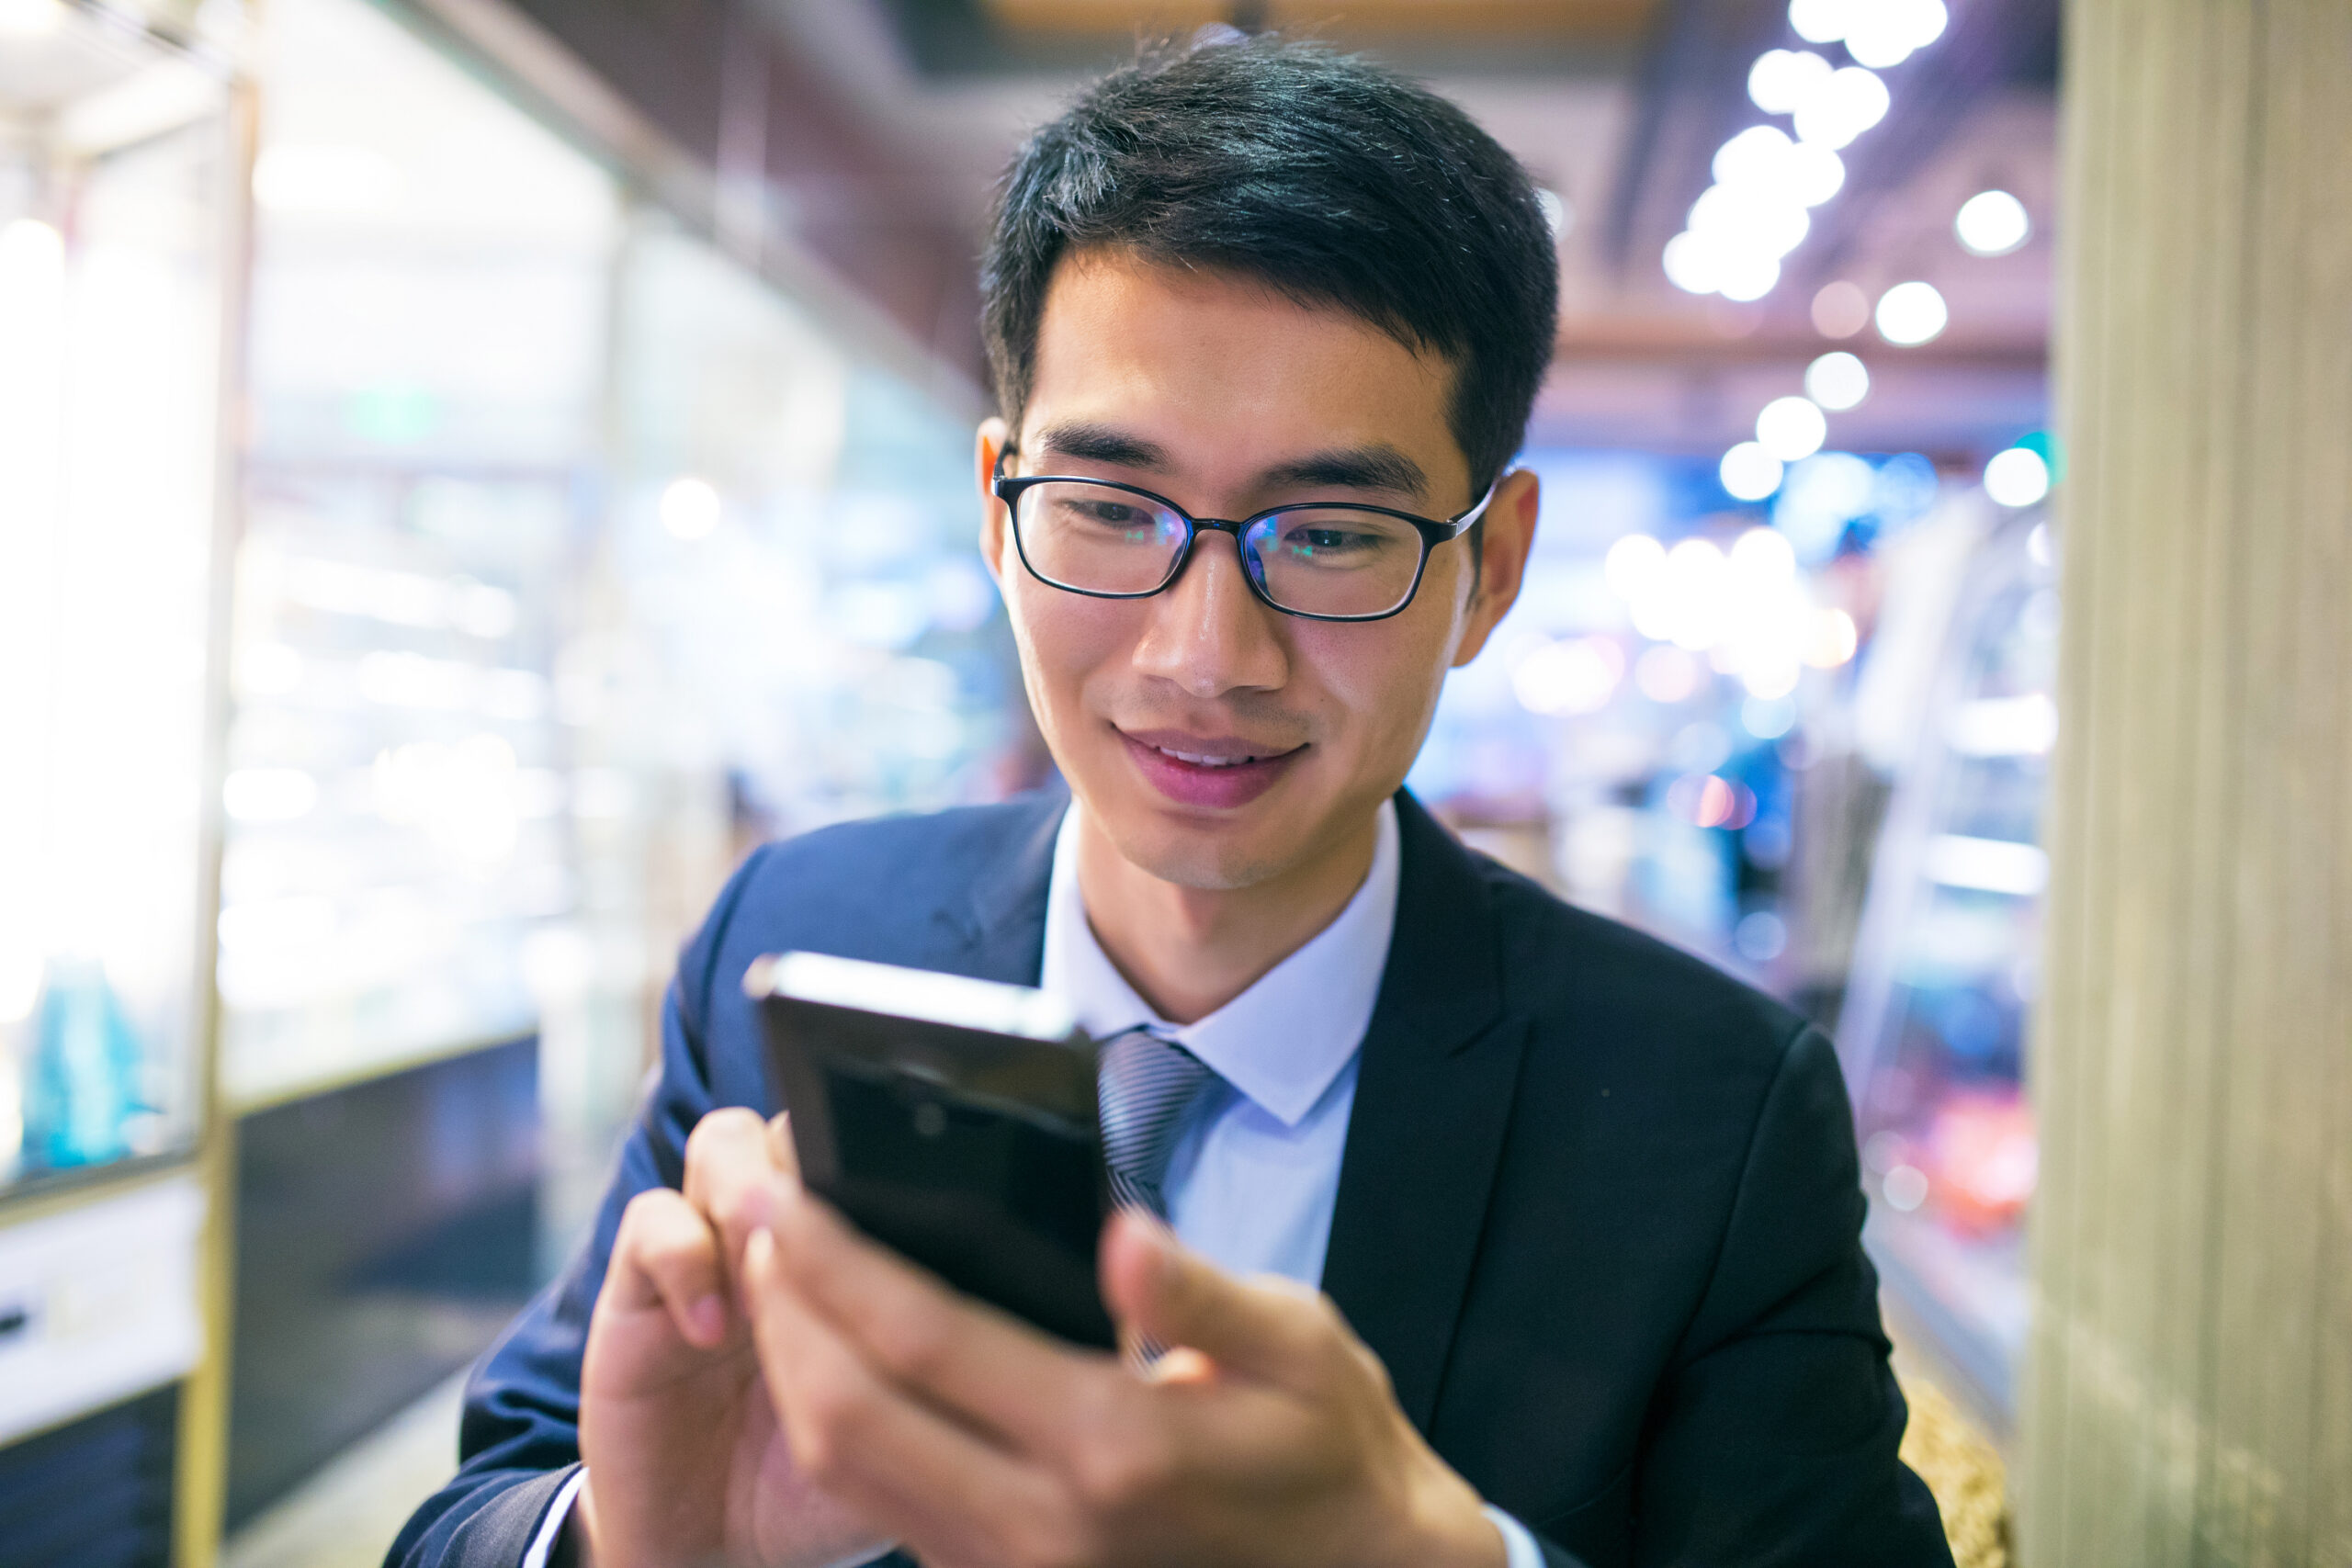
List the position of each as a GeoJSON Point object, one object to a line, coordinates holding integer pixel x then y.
{"type": "Point", "coordinates": [469, 470]}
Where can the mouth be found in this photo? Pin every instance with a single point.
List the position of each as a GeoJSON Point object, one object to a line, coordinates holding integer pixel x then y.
{"type": "Point", "coordinates": [1217, 772]}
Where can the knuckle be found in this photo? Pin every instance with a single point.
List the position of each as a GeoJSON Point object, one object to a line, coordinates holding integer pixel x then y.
{"type": "Point", "coordinates": [674, 1250]}
{"type": "Point", "coordinates": [641, 1221]}
{"type": "Point", "coordinates": [735, 1208]}
{"type": "Point", "coordinates": [1118, 1466]}
{"type": "Point", "coordinates": [717, 1133]}
{"type": "Point", "coordinates": [916, 1346]}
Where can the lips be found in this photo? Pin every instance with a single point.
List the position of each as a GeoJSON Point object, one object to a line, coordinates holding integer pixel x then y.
{"type": "Point", "coordinates": [1217, 772]}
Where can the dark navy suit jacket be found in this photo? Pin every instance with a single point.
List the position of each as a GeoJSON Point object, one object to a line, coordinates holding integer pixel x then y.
{"type": "Point", "coordinates": [1598, 1210]}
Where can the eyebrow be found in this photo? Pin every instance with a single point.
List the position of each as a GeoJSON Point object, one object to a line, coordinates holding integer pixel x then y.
{"type": "Point", "coordinates": [1375, 465]}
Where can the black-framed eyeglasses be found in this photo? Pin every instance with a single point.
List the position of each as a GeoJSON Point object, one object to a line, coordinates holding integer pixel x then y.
{"type": "Point", "coordinates": [1320, 560]}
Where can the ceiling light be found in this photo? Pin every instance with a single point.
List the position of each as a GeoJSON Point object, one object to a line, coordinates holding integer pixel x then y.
{"type": "Point", "coordinates": [1783, 78]}
{"type": "Point", "coordinates": [1743, 219]}
{"type": "Point", "coordinates": [1813, 173]}
{"type": "Point", "coordinates": [1886, 33]}
{"type": "Point", "coordinates": [1763, 162]}
{"type": "Point", "coordinates": [1822, 21]}
{"type": "Point", "coordinates": [1748, 276]}
{"type": "Point", "coordinates": [1848, 103]}
{"type": "Point", "coordinates": [1837, 380]}
{"type": "Point", "coordinates": [1790, 428]}
{"type": "Point", "coordinates": [1754, 157]}
{"type": "Point", "coordinates": [1911, 313]}
{"type": "Point", "coordinates": [1749, 472]}
{"type": "Point", "coordinates": [1991, 223]}
{"type": "Point", "coordinates": [1693, 264]}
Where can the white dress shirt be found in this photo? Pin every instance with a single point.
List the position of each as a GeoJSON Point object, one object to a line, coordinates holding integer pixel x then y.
{"type": "Point", "coordinates": [1255, 1168]}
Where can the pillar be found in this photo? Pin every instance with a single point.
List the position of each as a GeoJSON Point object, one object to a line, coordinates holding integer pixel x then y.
{"type": "Point", "coordinates": [2189, 1395]}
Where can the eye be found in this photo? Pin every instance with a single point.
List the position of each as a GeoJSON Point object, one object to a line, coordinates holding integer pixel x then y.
{"type": "Point", "coordinates": [1325, 540]}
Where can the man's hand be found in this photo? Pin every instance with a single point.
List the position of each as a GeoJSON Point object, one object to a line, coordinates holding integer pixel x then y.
{"type": "Point", "coordinates": [687, 1464]}
{"type": "Point", "coordinates": [1271, 1436]}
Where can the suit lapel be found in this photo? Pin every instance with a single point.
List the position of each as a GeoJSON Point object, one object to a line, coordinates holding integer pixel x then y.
{"type": "Point", "coordinates": [1433, 1093]}
{"type": "Point", "coordinates": [1001, 925]}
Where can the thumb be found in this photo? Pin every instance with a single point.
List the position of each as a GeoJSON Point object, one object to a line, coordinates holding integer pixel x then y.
{"type": "Point", "coordinates": [1268, 1328]}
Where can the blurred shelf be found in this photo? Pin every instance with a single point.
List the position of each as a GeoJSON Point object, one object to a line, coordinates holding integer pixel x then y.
{"type": "Point", "coordinates": [249, 1098]}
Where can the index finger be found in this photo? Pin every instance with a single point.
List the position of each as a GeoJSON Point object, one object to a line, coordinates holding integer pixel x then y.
{"type": "Point", "coordinates": [732, 1176]}
{"type": "Point", "coordinates": [972, 1360]}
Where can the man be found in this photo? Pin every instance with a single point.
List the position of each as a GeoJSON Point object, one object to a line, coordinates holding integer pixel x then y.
{"type": "Point", "coordinates": [1584, 1215]}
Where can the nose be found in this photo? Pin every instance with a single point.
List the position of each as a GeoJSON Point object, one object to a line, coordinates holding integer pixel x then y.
{"type": "Point", "coordinates": [1208, 634]}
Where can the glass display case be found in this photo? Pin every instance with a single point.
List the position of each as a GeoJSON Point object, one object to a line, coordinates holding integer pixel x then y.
{"type": "Point", "coordinates": [118, 213]}
{"type": "Point", "coordinates": [1934, 1032]}
{"type": "Point", "coordinates": [429, 299]}
{"type": "Point", "coordinates": [781, 622]}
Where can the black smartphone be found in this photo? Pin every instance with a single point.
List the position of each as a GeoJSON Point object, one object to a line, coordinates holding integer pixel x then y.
{"type": "Point", "coordinates": [951, 1119]}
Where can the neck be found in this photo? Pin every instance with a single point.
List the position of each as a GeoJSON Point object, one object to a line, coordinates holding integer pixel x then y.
{"type": "Point", "coordinates": [1189, 950]}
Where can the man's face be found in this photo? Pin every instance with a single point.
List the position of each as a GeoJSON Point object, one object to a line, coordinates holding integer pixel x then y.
{"type": "Point", "coordinates": [1218, 742]}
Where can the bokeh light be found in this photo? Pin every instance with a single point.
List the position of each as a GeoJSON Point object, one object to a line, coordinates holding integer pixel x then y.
{"type": "Point", "coordinates": [1790, 428]}
{"type": "Point", "coordinates": [2017, 477]}
{"type": "Point", "coordinates": [690, 508]}
{"type": "Point", "coordinates": [1911, 313]}
{"type": "Point", "coordinates": [1837, 380]}
{"type": "Point", "coordinates": [1991, 223]}
{"type": "Point", "coordinates": [1851, 101]}
{"type": "Point", "coordinates": [1783, 78]}
{"type": "Point", "coordinates": [1560, 679]}
{"type": "Point", "coordinates": [1840, 310]}
{"type": "Point", "coordinates": [1749, 472]}
{"type": "Point", "coordinates": [1884, 34]}
{"type": "Point", "coordinates": [1633, 564]}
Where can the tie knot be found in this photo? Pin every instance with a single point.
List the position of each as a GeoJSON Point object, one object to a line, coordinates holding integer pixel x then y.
{"type": "Point", "coordinates": [1145, 1083]}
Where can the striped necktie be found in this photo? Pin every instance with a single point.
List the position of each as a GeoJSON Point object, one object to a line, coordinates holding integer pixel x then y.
{"type": "Point", "coordinates": [1144, 1083]}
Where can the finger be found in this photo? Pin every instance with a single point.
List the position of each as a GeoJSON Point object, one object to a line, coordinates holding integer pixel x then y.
{"type": "Point", "coordinates": [1268, 1328]}
{"type": "Point", "coordinates": [780, 1152]}
{"type": "Point", "coordinates": [665, 1257]}
{"type": "Point", "coordinates": [731, 1176]}
{"type": "Point", "coordinates": [948, 1493]}
{"type": "Point", "coordinates": [980, 1365]}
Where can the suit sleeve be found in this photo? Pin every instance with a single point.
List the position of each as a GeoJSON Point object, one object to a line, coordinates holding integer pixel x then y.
{"type": "Point", "coordinates": [1771, 1443]}
{"type": "Point", "coordinates": [519, 1438]}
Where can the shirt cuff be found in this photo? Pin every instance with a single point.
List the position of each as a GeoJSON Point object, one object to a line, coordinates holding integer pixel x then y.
{"type": "Point", "coordinates": [1519, 1546]}
{"type": "Point", "coordinates": [543, 1543]}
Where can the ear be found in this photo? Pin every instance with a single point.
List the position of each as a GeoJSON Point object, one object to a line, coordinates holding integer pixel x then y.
{"type": "Point", "coordinates": [987, 447]}
{"type": "Point", "coordinates": [1505, 536]}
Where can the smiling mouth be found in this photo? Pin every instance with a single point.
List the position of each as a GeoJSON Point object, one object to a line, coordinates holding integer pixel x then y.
{"type": "Point", "coordinates": [1205, 751]}
{"type": "Point", "coordinates": [1200, 761]}
{"type": "Point", "coordinates": [1201, 771]}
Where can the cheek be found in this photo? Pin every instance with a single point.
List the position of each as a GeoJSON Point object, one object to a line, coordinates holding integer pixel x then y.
{"type": "Point", "coordinates": [1065, 640]}
{"type": "Point", "coordinates": [1385, 677]}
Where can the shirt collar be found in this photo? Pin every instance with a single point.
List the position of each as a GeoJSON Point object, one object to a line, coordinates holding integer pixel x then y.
{"type": "Point", "coordinates": [1283, 1041]}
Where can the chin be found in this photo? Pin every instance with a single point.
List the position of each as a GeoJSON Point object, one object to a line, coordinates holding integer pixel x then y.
{"type": "Point", "coordinates": [1209, 857]}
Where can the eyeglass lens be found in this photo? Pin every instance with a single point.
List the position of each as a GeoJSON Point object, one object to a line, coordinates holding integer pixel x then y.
{"type": "Point", "coordinates": [1324, 560]}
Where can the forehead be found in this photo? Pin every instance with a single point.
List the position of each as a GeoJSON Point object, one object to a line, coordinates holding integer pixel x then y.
{"type": "Point", "coordinates": [1206, 362]}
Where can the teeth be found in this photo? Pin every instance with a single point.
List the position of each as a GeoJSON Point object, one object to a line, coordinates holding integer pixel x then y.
{"type": "Point", "coordinates": [1205, 761]}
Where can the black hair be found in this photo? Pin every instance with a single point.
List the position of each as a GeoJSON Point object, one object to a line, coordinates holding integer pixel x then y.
{"type": "Point", "coordinates": [1327, 176]}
